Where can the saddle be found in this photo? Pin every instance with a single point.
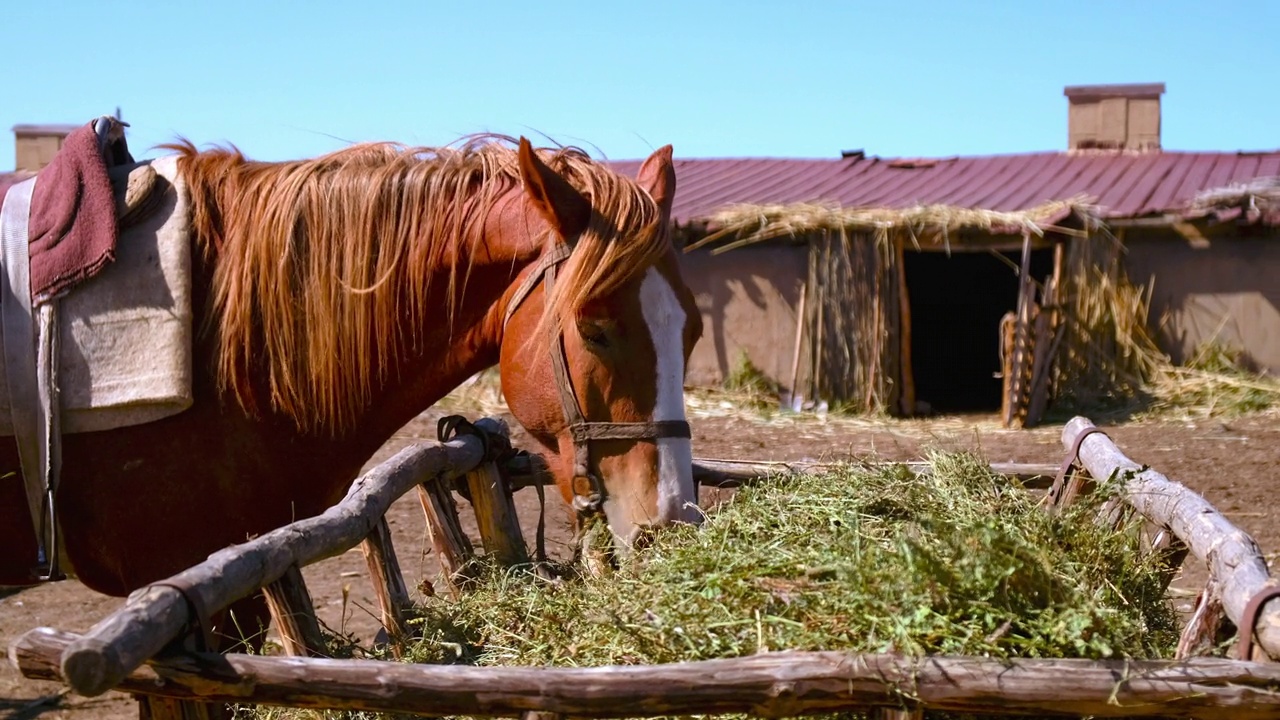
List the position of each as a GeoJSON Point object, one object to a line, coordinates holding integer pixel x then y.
{"type": "Point", "coordinates": [95, 306]}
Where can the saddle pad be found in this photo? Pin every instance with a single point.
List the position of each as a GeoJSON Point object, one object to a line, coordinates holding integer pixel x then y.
{"type": "Point", "coordinates": [126, 333]}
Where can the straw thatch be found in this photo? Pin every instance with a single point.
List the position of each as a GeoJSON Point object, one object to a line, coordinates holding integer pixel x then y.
{"type": "Point", "coordinates": [1262, 193]}
{"type": "Point", "coordinates": [745, 224]}
{"type": "Point", "coordinates": [1093, 334]}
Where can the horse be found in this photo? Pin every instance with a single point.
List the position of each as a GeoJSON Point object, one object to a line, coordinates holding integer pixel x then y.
{"type": "Point", "coordinates": [341, 296]}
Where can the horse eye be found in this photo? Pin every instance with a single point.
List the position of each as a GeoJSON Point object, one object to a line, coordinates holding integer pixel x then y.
{"type": "Point", "coordinates": [594, 334]}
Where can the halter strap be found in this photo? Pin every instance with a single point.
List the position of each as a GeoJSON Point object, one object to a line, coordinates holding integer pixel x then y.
{"type": "Point", "coordinates": [556, 255]}
{"type": "Point", "coordinates": [588, 490]}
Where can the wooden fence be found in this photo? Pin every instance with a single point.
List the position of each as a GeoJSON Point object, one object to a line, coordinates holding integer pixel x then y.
{"type": "Point", "coordinates": [145, 646]}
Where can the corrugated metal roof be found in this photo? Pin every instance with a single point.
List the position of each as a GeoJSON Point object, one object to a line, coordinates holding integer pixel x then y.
{"type": "Point", "coordinates": [1123, 185]}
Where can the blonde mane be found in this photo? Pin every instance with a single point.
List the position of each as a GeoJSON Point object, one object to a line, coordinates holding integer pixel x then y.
{"type": "Point", "coordinates": [323, 267]}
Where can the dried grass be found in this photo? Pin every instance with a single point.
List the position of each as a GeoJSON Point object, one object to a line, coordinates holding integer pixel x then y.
{"type": "Point", "coordinates": [1214, 383]}
{"type": "Point", "coordinates": [748, 224]}
{"type": "Point", "coordinates": [1261, 193]}
{"type": "Point", "coordinates": [1108, 355]}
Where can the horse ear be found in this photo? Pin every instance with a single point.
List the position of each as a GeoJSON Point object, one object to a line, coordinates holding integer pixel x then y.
{"type": "Point", "coordinates": [658, 176]}
{"type": "Point", "coordinates": [557, 200]}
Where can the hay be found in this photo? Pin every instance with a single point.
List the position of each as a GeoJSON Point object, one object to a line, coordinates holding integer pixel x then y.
{"type": "Point", "coordinates": [1259, 193]}
{"type": "Point", "coordinates": [749, 224]}
{"type": "Point", "coordinates": [1109, 354]}
{"type": "Point", "coordinates": [1213, 383]}
{"type": "Point", "coordinates": [955, 561]}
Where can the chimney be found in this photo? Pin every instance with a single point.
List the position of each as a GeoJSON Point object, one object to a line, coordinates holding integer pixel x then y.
{"type": "Point", "coordinates": [1114, 117]}
{"type": "Point", "coordinates": [35, 145]}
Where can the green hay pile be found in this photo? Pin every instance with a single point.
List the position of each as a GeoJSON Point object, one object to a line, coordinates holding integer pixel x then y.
{"type": "Point", "coordinates": [955, 561]}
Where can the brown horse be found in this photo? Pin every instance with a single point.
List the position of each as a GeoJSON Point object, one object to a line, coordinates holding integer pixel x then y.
{"type": "Point", "coordinates": [344, 295]}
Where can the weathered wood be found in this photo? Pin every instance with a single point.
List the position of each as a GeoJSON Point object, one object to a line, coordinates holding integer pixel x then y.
{"type": "Point", "coordinates": [883, 713]}
{"type": "Point", "coordinates": [496, 517]}
{"type": "Point", "coordinates": [451, 545]}
{"type": "Point", "coordinates": [795, 353]}
{"type": "Point", "coordinates": [1200, 636]}
{"type": "Point", "coordinates": [153, 617]}
{"type": "Point", "coordinates": [294, 615]}
{"type": "Point", "coordinates": [388, 583]}
{"type": "Point", "coordinates": [1041, 359]}
{"type": "Point", "coordinates": [1019, 393]}
{"type": "Point", "coordinates": [906, 371]}
{"type": "Point", "coordinates": [153, 707]}
{"type": "Point", "coordinates": [767, 684]}
{"type": "Point", "coordinates": [1008, 335]}
{"type": "Point", "coordinates": [1233, 557]}
{"type": "Point", "coordinates": [1046, 349]}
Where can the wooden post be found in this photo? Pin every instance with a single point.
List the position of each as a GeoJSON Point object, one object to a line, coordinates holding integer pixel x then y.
{"type": "Point", "coordinates": [496, 516]}
{"type": "Point", "coordinates": [153, 707]}
{"type": "Point", "coordinates": [1200, 635]}
{"type": "Point", "coordinates": [388, 583]}
{"type": "Point", "coordinates": [1018, 394]}
{"type": "Point", "coordinates": [452, 546]}
{"type": "Point", "coordinates": [294, 615]}
{"type": "Point", "coordinates": [1234, 559]}
{"type": "Point", "coordinates": [1041, 344]}
{"type": "Point", "coordinates": [795, 355]}
{"type": "Point", "coordinates": [907, 399]}
{"type": "Point", "coordinates": [1008, 335]}
{"type": "Point", "coordinates": [1048, 337]}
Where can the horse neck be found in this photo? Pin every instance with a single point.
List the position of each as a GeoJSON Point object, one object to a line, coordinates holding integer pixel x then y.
{"type": "Point", "coordinates": [453, 350]}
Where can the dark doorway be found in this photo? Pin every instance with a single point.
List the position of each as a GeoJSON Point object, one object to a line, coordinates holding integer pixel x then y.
{"type": "Point", "coordinates": [957, 301]}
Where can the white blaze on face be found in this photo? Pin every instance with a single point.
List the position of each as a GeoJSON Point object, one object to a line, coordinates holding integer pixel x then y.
{"type": "Point", "coordinates": [677, 495]}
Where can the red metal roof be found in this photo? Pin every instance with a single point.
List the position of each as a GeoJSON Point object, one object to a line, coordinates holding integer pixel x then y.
{"type": "Point", "coordinates": [1123, 185]}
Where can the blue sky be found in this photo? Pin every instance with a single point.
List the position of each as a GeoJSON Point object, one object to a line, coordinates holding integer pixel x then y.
{"type": "Point", "coordinates": [716, 79]}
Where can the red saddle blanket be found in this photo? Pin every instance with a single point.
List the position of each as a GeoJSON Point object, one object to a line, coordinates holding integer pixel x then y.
{"type": "Point", "coordinates": [72, 231]}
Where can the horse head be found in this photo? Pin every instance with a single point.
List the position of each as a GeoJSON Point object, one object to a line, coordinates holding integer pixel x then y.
{"type": "Point", "coordinates": [597, 337]}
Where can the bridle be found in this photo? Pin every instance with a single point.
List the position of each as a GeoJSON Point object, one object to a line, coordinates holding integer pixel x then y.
{"type": "Point", "coordinates": [588, 490]}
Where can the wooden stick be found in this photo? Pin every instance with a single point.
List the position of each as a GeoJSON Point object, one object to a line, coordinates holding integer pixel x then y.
{"type": "Point", "coordinates": [451, 545]}
{"type": "Point", "coordinates": [1042, 342]}
{"type": "Point", "coordinates": [496, 516]}
{"type": "Point", "coordinates": [1234, 559]}
{"type": "Point", "coordinates": [388, 583]}
{"type": "Point", "coordinates": [1018, 394]}
{"type": "Point", "coordinates": [795, 355]}
{"type": "Point", "coordinates": [1200, 635]}
{"type": "Point", "coordinates": [777, 684]}
{"type": "Point", "coordinates": [1008, 323]}
{"type": "Point", "coordinates": [295, 615]}
{"type": "Point", "coordinates": [153, 707]}
{"type": "Point", "coordinates": [906, 369]}
{"type": "Point", "coordinates": [154, 616]}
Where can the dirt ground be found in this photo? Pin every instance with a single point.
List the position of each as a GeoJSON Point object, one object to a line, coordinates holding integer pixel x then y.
{"type": "Point", "coordinates": [1232, 463]}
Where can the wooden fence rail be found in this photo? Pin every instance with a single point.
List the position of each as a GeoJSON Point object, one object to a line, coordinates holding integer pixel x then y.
{"type": "Point", "coordinates": [1234, 559]}
{"type": "Point", "coordinates": [773, 684]}
{"type": "Point", "coordinates": [154, 616]}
